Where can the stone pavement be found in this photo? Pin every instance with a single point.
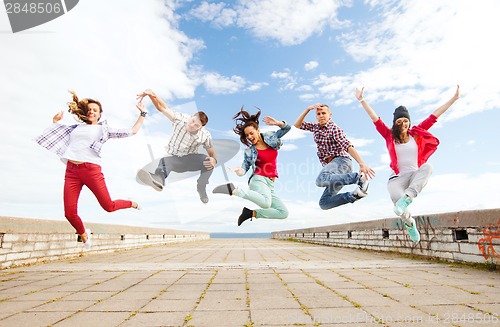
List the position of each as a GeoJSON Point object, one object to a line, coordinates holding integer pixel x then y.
{"type": "Point", "coordinates": [247, 282]}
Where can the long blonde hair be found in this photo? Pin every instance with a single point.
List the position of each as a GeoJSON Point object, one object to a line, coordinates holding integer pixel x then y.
{"type": "Point", "coordinates": [80, 108]}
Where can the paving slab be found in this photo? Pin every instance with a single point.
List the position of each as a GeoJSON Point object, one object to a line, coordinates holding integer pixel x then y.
{"type": "Point", "coordinates": [248, 282]}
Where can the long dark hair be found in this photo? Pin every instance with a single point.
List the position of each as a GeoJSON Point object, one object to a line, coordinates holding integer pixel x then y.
{"type": "Point", "coordinates": [80, 108]}
{"type": "Point", "coordinates": [243, 120]}
{"type": "Point", "coordinates": [396, 132]}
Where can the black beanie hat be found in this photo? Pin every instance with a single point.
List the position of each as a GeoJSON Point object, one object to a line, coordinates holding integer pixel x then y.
{"type": "Point", "coordinates": [401, 112]}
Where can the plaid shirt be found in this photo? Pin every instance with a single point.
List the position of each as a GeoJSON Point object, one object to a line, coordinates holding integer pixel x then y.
{"type": "Point", "coordinates": [182, 142]}
{"type": "Point", "coordinates": [56, 137]}
{"type": "Point", "coordinates": [330, 140]}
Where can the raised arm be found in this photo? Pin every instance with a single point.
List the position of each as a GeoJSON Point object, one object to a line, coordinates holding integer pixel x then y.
{"type": "Point", "coordinates": [140, 119]}
{"type": "Point", "coordinates": [303, 115]}
{"type": "Point", "coordinates": [441, 110]}
{"type": "Point", "coordinates": [273, 122]}
{"type": "Point", "coordinates": [160, 105]}
{"type": "Point", "coordinates": [369, 110]}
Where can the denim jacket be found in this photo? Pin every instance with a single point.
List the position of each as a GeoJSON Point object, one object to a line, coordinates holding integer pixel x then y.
{"type": "Point", "coordinates": [271, 138]}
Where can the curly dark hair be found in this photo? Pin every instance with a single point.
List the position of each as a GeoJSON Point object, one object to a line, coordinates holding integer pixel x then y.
{"type": "Point", "coordinates": [80, 108]}
{"type": "Point", "coordinates": [243, 120]}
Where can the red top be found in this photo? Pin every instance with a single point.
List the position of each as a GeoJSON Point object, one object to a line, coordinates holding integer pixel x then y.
{"type": "Point", "coordinates": [266, 163]}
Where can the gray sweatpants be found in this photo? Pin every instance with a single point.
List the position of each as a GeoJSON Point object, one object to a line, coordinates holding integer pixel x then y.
{"type": "Point", "coordinates": [410, 183]}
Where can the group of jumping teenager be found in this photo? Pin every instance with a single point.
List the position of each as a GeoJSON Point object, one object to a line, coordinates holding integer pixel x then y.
{"type": "Point", "coordinates": [409, 148]}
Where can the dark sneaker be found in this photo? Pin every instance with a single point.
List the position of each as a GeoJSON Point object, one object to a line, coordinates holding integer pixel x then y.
{"type": "Point", "coordinates": [202, 191]}
{"type": "Point", "coordinates": [224, 189]}
{"type": "Point", "coordinates": [363, 183]}
{"type": "Point", "coordinates": [411, 227]}
{"type": "Point", "coordinates": [150, 179]}
{"type": "Point", "coordinates": [402, 204]}
{"type": "Point", "coordinates": [245, 215]}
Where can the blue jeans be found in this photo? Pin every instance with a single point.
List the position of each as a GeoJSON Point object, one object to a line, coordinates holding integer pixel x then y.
{"type": "Point", "coordinates": [333, 177]}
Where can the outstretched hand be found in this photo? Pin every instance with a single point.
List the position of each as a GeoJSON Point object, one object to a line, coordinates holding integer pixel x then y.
{"type": "Point", "coordinates": [147, 92]}
{"type": "Point", "coordinates": [238, 170]}
{"type": "Point", "coordinates": [457, 92]}
{"type": "Point", "coordinates": [271, 121]}
{"type": "Point", "coordinates": [369, 173]}
{"type": "Point", "coordinates": [140, 106]}
{"type": "Point", "coordinates": [57, 117]}
{"type": "Point", "coordinates": [314, 106]}
{"type": "Point", "coordinates": [359, 93]}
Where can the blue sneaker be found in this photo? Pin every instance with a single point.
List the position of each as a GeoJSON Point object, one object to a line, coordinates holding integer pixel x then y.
{"type": "Point", "coordinates": [402, 204]}
{"type": "Point", "coordinates": [412, 230]}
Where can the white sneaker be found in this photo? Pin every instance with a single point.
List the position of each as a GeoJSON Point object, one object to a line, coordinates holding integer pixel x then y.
{"type": "Point", "coordinates": [86, 246]}
{"type": "Point", "coordinates": [359, 194]}
{"type": "Point", "coordinates": [139, 207]}
{"type": "Point", "coordinates": [363, 183]}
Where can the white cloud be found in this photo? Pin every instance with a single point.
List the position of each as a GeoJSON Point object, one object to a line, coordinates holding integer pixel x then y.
{"type": "Point", "coordinates": [288, 80]}
{"type": "Point", "coordinates": [412, 48]}
{"type": "Point", "coordinates": [207, 12]}
{"type": "Point", "coordinates": [358, 142]}
{"type": "Point", "coordinates": [290, 23]}
{"type": "Point", "coordinates": [311, 65]}
{"type": "Point", "coordinates": [218, 84]}
{"type": "Point", "coordinates": [256, 86]}
{"type": "Point", "coordinates": [479, 195]}
{"type": "Point", "coordinates": [216, 13]}
{"type": "Point", "coordinates": [304, 88]}
{"type": "Point", "coordinates": [282, 75]}
{"type": "Point", "coordinates": [309, 97]}
{"type": "Point", "coordinates": [295, 133]}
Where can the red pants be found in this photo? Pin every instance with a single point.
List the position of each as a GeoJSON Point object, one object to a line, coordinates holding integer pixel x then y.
{"type": "Point", "coordinates": [90, 175]}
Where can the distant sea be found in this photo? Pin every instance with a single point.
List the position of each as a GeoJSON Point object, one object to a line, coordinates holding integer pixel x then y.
{"type": "Point", "coordinates": [240, 235]}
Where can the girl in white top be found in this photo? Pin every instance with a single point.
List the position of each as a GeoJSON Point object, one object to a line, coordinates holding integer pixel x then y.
{"type": "Point", "coordinates": [79, 147]}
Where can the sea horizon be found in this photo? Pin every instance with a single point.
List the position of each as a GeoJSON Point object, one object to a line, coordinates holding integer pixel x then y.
{"type": "Point", "coordinates": [239, 235]}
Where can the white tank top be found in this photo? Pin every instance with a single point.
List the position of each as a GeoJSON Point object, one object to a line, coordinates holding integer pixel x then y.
{"type": "Point", "coordinates": [80, 140]}
{"type": "Point", "coordinates": [407, 154]}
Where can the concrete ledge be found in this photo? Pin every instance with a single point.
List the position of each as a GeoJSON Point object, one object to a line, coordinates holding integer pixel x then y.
{"type": "Point", "coordinates": [466, 236]}
{"type": "Point", "coordinates": [27, 241]}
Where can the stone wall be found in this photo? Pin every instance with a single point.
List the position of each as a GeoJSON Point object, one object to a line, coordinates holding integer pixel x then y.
{"type": "Point", "coordinates": [465, 236]}
{"type": "Point", "coordinates": [27, 241]}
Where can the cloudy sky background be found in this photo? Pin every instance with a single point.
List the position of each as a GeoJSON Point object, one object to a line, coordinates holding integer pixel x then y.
{"type": "Point", "coordinates": [280, 56]}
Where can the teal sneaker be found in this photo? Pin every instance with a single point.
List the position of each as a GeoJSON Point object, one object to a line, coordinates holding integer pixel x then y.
{"type": "Point", "coordinates": [402, 204]}
{"type": "Point", "coordinates": [412, 230]}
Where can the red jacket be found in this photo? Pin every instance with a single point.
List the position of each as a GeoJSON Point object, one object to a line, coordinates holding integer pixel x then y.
{"type": "Point", "coordinates": [426, 142]}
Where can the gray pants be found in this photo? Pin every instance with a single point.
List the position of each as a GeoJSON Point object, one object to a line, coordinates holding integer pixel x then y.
{"type": "Point", "coordinates": [410, 183]}
{"type": "Point", "coordinates": [190, 162]}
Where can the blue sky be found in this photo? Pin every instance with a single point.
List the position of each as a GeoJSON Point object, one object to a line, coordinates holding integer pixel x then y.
{"type": "Point", "coordinates": [280, 56]}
